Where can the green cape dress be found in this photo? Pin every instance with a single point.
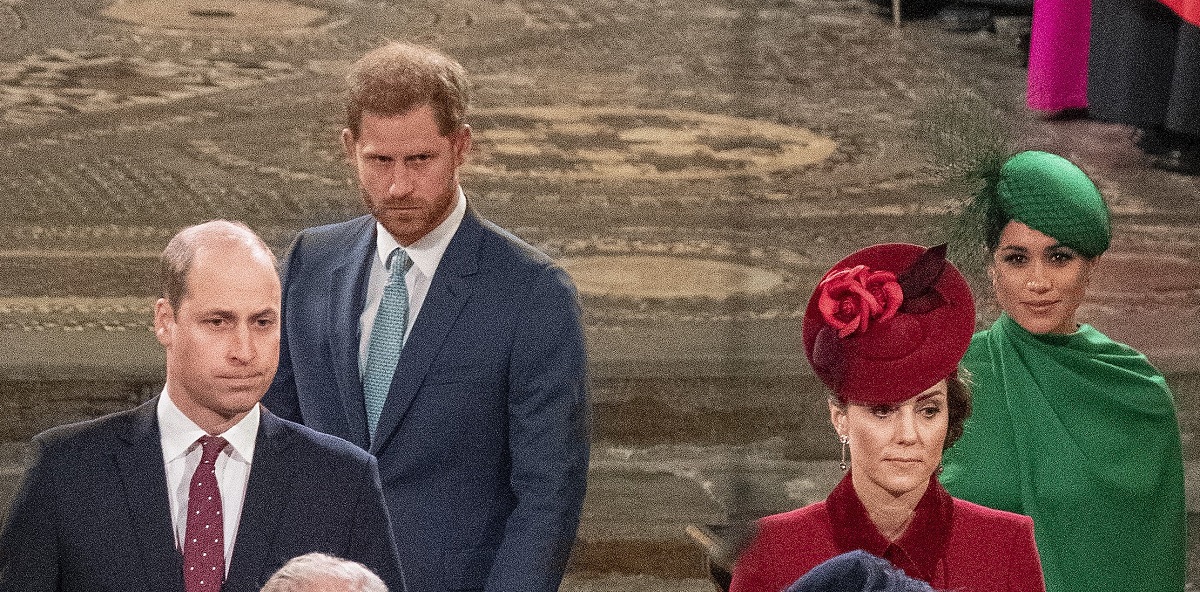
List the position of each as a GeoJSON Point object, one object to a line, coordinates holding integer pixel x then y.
{"type": "Point", "coordinates": [1078, 432]}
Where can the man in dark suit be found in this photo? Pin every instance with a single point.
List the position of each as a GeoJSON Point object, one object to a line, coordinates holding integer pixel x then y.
{"type": "Point", "coordinates": [199, 489]}
{"type": "Point", "coordinates": [449, 348]}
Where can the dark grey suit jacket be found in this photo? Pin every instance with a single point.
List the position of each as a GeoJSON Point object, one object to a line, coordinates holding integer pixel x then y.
{"type": "Point", "coordinates": [483, 441]}
{"type": "Point", "coordinates": [93, 514]}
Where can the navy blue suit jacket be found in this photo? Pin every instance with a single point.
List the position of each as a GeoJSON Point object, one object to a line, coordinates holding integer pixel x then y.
{"type": "Point", "coordinates": [93, 514]}
{"type": "Point", "coordinates": [483, 441]}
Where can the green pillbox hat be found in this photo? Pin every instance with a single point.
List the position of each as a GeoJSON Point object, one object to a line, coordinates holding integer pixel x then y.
{"type": "Point", "coordinates": [1051, 195]}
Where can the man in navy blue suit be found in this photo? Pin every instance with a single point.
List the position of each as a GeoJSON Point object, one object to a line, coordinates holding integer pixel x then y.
{"type": "Point", "coordinates": [441, 343]}
{"type": "Point", "coordinates": [199, 489]}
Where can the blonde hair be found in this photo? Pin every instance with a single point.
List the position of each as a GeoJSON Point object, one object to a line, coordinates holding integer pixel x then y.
{"type": "Point", "coordinates": [314, 568]}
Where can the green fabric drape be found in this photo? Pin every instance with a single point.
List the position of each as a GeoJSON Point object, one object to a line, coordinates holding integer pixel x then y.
{"type": "Point", "coordinates": [1078, 432]}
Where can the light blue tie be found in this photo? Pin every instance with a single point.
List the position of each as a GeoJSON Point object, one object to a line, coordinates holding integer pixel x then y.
{"type": "Point", "coordinates": [387, 337]}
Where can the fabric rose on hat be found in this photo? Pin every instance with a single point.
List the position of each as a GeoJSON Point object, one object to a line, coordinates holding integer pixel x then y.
{"type": "Point", "coordinates": [851, 298]}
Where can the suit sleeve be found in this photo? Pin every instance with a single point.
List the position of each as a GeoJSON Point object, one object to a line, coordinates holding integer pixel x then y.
{"type": "Point", "coordinates": [29, 542]}
{"type": "Point", "coordinates": [549, 431]}
{"type": "Point", "coordinates": [1026, 567]}
{"type": "Point", "coordinates": [283, 398]}
{"type": "Point", "coordinates": [372, 541]}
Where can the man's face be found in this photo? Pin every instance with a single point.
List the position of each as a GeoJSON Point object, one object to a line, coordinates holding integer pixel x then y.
{"type": "Point", "coordinates": [407, 170]}
{"type": "Point", "coordinates": [223, 341]}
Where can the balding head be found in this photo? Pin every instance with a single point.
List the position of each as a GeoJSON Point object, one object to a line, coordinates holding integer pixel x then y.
{"type": "Point", "coordinates": [218, 235]}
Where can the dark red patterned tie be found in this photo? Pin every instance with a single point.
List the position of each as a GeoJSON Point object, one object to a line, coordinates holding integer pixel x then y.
{"type": "Point", "coordinates": [204, 543]}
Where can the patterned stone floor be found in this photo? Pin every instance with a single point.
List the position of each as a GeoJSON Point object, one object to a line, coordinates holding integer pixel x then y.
{"type": "Point", "coordinates": [749, 143]}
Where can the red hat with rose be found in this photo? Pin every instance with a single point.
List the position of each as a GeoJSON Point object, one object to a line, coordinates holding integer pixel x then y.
{"type": "Point", "coordinates": [888, 322]}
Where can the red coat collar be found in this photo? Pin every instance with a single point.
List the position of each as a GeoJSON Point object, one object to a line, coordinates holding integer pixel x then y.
{"type": "Point", "coordinates": [917, 551]}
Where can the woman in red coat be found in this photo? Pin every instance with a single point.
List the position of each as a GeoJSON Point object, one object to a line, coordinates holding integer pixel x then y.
{"type": "Point", "coordinates": [885, 330]}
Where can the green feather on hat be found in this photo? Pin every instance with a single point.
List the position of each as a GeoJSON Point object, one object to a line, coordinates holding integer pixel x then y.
{"type": "Point", "coordinates": [1044, 191]}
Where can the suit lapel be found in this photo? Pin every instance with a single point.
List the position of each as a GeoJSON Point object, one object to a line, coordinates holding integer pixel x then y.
{"type": "Point", "coordinates": [270, 478]}
{"type": "Point", "coordinates": [144, 479]}
{"type": "Point", "coordinates": [448, 293]}
{"type": "Point", "coordinates": [348, 288]}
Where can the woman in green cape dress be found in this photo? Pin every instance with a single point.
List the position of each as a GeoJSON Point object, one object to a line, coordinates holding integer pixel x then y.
{"type": "Point", "coordinates": [1070, 427]}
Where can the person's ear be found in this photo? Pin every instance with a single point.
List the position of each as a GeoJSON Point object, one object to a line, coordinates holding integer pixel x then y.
{"type": "Point", "coordinates": [837, 417]}
{"type": "Point", "coordinates": [462, 144]}
{"type": "Point", "coordinates": [349, 142]}
{"type": "Point", "coordinates": [164, 321]}
{"type": "Point", "coordinates": [1089, 265]}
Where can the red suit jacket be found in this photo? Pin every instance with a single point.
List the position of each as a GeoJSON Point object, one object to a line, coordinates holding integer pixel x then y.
{"type": "Point", "coordinates": [950, 543]}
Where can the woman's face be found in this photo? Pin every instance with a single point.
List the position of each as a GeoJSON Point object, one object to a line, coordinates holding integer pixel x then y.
{"type": "Point", "coordinates": [1038, 281]}
{"type": "Point", "coordinates": [895, 448]}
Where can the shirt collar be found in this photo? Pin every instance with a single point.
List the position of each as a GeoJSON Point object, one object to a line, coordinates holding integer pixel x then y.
{"type": "Point", "coordinates": [427, 251]}
{"type": "Point", "coordinates": [917, 551]}
{"type": "Point", "coordinates": [178, 433]}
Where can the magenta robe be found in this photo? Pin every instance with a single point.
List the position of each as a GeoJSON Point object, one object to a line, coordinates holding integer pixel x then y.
{"type": "Point", "coordinates": [1058, 54]}
{"type": "Point", "coordinates": [950, 543]}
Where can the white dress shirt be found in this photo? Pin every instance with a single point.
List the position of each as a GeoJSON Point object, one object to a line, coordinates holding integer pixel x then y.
{"type": "Point", "coordinates": [181, 456]}
{"type": "Point", "coordinates": [426, 253]}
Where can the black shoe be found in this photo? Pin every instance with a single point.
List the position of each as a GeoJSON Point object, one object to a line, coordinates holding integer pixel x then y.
{"type": "Point", "coordinates": [1068, 114]}
{"type": "Point", "coordinates": [1155, 141]}
{"type": "Point", "coordinates": [1184, 162]}
{"type": "Point", "coordinates": [960, 18]}
{"type": "Point", "coordinates": [913, 8]}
